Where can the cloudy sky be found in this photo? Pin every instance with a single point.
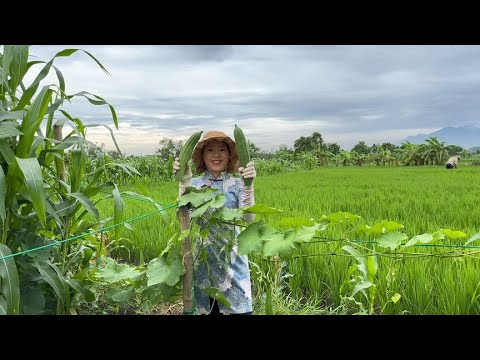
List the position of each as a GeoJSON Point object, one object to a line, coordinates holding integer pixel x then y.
{"type": "Point", "coordinates": [274, 93]}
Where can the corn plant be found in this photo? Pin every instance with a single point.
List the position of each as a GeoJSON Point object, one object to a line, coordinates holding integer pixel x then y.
{"type": "Point", "coordinates": [44, 200]}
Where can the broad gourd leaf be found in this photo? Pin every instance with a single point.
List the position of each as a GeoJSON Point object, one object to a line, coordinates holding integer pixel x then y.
{"type": "Point", "coordinates": [159, 271]}
{"type": "Point", "coordinates": [114, 272]}
{"type": "Point", "coordinates": [281, 245]}
{"type": "Point", "coordinates": [391, 240]}
{"type": "Point", "coordinates": [424, 239]}
{"type": "Point", "coordinates": [252, 237]}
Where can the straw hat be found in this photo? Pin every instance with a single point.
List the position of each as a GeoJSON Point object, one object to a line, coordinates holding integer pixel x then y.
{"type": "Point", "coordinates": [197, 156]}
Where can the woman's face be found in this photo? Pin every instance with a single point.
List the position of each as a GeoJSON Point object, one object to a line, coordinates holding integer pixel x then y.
{"type": "Point", "coordinates": [216, 155]}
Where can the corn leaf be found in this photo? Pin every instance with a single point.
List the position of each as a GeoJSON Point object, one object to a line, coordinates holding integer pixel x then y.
{"type": "Point", "coordinates": [7, 152]}
{"type": "Point", "coordinates": [34, 182]}
{"type": "Point", "coordinates": [32, 89]}
{"type": "Point", "coordinates": [18, 65]}
{"type": "Point", "coordinates": [32, 121]}
{"type": "Point", "coordinates": [87, 204]}
{"type": "Point", "coordinates": [10, 285]}
{"type": "Point", "coordinates": [52, 275]}
{"type": "Point", "coordinates": [7, 131]}
{"type": "Point", "coordinates": [12, 115]}
{"type": "Point", "coordinates": [77, 170]}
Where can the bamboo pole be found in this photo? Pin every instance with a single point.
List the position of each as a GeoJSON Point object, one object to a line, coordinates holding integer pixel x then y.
{"type": "Point", "coordinates": [184, 217]}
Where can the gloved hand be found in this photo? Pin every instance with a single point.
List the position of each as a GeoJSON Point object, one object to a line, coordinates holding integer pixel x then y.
{"type": "Point", "coordinates": [187, 177]}
{"type": "Point", "coordinates": [248, 172]}
{"type": "Point", "coordinates": [247, 197]}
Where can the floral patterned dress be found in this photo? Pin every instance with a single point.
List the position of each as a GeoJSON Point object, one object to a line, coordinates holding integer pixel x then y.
{"type": "Point", "coordinates": [218, 264]}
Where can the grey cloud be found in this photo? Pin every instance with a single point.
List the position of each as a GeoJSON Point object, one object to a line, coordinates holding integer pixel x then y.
{"type": "Point", "coordinates": [357, 88]}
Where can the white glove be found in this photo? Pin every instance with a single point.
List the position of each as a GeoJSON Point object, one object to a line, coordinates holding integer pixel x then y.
{"type": "Point", "coordinates": [248, 172]}
{"type": "Point", "coordinates": [247, 197]}
{"type": "Point", "coordinates": [187, 177]}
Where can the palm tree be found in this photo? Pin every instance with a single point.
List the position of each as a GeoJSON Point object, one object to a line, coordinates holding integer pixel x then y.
{"type": "Point", "coordinates": [435, 152]}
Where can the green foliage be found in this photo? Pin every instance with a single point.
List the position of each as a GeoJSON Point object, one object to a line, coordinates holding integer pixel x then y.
{"type": "Point", "coordinates": [46, 188]}
{"type": "Point", "coordinates": [159, 271]}
{"type": "Point", "coordinates": [308, 143]}
{"type": "Point", "coordinates": [169, 148]}
{"type": "Point", "coordinates": [10, 298]}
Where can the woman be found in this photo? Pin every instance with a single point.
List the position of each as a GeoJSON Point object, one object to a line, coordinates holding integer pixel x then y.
{"type": "Point", "coordinates": [215, 157]}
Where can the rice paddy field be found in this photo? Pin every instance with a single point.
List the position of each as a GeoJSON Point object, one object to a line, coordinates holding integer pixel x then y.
{"type": "Point", "coordinates": [440, 279]}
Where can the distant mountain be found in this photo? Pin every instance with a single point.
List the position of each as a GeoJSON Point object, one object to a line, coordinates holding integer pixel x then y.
{"type": "Point", "coordinates": [464, 136]}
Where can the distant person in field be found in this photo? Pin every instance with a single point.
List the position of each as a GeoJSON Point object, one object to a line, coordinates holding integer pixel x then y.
{"type": "Point", "coordinates": [452, 163]}
{"type": "Point", "coordinates": [215, 157]}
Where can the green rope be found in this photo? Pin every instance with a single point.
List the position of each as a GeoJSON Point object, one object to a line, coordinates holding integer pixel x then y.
{"type": "Point", "coordinates": [90, 233]}
{"type": "Point", "coordinates": [434, 245]}
{"type": "Point", "coordinates": [374, 242]}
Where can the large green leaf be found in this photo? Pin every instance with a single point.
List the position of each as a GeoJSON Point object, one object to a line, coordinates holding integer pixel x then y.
{"type": "Point", "coordinates": [32, 89]}
{"type": "Point", "coordinates": [261, 209]}
{"type": "Point", "coordinates": [77, 170]}
{"type": "Point", "coordinates": [130, 170]}
{"type": "Point", "coordinates": [294, 223]}
{"type": "Point", "coordinates": [87, 204]}
{"type": "Point", "coordinates": [79, 287]}
{"type": "Point", "coordinates": [114, 272]}
{"type": "Point", "coordinates": [281, 244]}
{"type": "Point", "coordinates": [159, 271]}
{"type": "Point", "coordinates": [18, 65]}
{"type": "Point", "coordinates": [361, 285]}
{"type": "Point", "coordinates": [360, 257]}
{"type": "Point", "coordinates": [120, 295]}
{"type": "Point", "coordinates": [382, 227]}
{"type": "Point", "coordinates": [54, 279]}
{"type": "Point", "coordinates": [34, 182]}
{"type": "Point", "coordinates": [341, 217]}
{"type": "Point", "coordinates": [12, 115]}
{"type": "Point", "coordinates": [391, 240]}
{"type": "Point", "coordinates": [230, 214]}
{"type": "Point", "coordinates": [424, 238]}
{"type": "Point", "coordinates": [7, 131]}
{"type": "Point", "coordinates": [61, 81]}
{"type": "Point", "coordinates": [10, 285]}
{"type": "Point", "coordinates": [306, 233]}
{"type": "Point", "coordinates": [32, 121]}
{"type": "Point", "coordinates": [65, 208]}
{"type": "Point", "coordinates": [251, 238]}
{"type": "Point", "coordinates": [3, 193]}
{"type": "Point", "coordinates": [7, 152]}
{"type": "Point", "coordinates": [453, 234]}
{"type": "Point", "coordinates": [112, 110]}
{"type": "Point", "coordinates": [215, 203]}
{"type": "Point", "coordinates": [196, 197]}
{"type": "Point", "coordinates": [68, 52]}
{"type": "Point", "coordinates": [6, 58]}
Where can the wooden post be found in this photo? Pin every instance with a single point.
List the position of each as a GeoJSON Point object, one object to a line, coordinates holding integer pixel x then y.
{"type": "Point", "coordinates": [184, 217]}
